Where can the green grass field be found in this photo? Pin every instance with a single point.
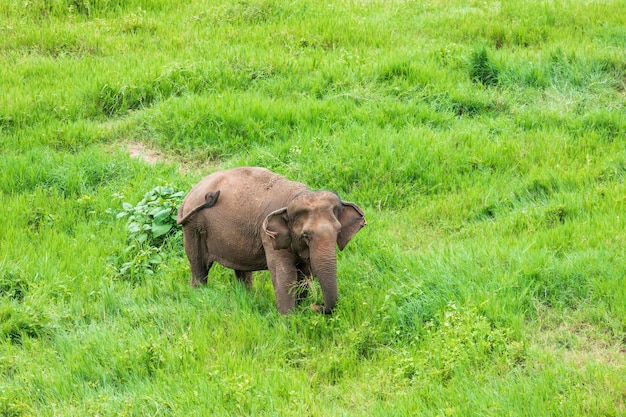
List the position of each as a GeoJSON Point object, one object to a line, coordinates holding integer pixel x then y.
{"type": "Point", "coordinates": [485, 141]}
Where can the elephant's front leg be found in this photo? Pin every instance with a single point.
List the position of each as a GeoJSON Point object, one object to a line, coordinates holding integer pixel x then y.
{"type": "Point", "coordinates": [285, 279]}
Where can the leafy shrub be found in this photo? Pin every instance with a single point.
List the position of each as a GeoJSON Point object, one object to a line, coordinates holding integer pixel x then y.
{"type": "Point", "coordinates": [150, 224]}
{"type": "Point", "coordinates": [153, 219]}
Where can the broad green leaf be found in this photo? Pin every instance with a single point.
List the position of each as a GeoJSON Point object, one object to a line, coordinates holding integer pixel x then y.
{"type": "Point", "coordinates": [162, 216]}
{"type": "Point", "coordinates": [159, 229]}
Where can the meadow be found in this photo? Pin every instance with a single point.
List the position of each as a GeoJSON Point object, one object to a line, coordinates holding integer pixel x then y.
{"type": "Point", "coordinates": [485, 141]}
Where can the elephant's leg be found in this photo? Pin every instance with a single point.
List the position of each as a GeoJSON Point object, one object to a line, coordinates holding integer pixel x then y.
{"type": "Point", "coordinates": [245, 277]}
{"type": "Point", "coordinates": [195, 248]}
{"type": "Point", "coordinates": [285, 279]}
{"type": "Point", "coordinates": [199, 273]}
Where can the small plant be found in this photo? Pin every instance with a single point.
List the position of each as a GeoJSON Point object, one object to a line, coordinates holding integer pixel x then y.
{"type": "Point", "coordinates": [142, 263]}
{"type": "Point", "coordinates": [13, 284]}
{"type": "Point", "coordinates": [150, 224]}
{"type": "Point", "coordinates": [40, 219]}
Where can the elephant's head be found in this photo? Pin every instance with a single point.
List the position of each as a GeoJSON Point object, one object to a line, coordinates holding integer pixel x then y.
{"type": "Point", "coordinates": [310, 226]}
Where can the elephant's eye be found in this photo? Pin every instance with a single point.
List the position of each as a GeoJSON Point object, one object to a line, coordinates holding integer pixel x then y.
{"type": "Point", "coordinates": [305, 236]}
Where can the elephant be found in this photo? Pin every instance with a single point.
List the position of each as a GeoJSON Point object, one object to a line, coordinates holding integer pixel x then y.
{"type": "Point", "coordinates": [251, 219]}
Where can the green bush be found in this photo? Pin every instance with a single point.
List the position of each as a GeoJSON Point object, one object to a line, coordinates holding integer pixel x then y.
{"type": "Point", "coordinates": [150, 224]}
{"type": "Point", "coordinates": [153, 219]}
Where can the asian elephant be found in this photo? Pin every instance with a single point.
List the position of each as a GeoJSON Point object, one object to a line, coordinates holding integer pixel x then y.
{"type": "Point", "coordinates": [250, 219]}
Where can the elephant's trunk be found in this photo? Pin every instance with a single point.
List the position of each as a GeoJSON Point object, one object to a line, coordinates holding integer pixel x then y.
{"type": "Point", "coordinates": [324, 267]}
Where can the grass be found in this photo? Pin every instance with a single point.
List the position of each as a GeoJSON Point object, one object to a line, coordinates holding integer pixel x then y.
{"type": "Point", "coordinates": [485, 142]}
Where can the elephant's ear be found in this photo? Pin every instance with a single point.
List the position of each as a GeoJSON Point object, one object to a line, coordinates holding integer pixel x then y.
{"type": "Point", "coordinates": [352, 219]}
{"type": "Point", "coordinates": [277, 228]}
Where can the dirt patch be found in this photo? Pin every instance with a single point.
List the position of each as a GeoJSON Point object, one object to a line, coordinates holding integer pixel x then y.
{"type": "Point", "coordinates": [153, 156]}
{"type": "Point", "coordinates": [144, 153]}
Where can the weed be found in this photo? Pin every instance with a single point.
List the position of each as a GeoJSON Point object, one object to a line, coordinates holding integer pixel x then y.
{"type": "Point", "coordinates": [40, 218]}
{"type": "Point", "coordinates": [464, 337]}
{"type": "Point", "coordinates": [13, 284]}
{"type": "Point", "coordinates": [142, 263]}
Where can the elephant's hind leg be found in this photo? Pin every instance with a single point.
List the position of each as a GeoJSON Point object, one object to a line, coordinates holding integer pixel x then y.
{"type": "Point", "coordinates": [199, 263]}
{"type": "Point", "coordinates": [199, 273]}
{"type": "Point", "coordinates": [245, 277]}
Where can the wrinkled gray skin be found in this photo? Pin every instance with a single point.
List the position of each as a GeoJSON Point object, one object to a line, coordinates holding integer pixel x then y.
{"type": "Point", "coordinates": [252, 219]}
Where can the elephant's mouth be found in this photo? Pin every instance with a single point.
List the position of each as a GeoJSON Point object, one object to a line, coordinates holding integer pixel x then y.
{"type": "Point", "coordinates": [304, 255]}
{"type": "Point", "coordinates": [301, 250]}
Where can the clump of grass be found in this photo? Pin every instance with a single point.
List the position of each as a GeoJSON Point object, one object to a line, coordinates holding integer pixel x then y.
{"type": "Point", "coordinates": [245, 12]}
{"type": "Point", "coordinates": [175, 80]}
{"type": "Point", "coordinates": [60, 9]}
{"type": "Point", "coordinates": [22, 321]}
{"type": "Point", "coordinates": [118, 100]}
{"type": "Point", "coordinates": [482, 68]}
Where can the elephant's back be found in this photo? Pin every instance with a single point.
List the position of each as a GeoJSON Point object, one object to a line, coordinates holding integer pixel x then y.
{"type": "Point", "coordinates": [247, 194]}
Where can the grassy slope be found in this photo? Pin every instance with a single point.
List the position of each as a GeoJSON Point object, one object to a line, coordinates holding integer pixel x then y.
{"type": "Point", "coordinates": [485, 142]}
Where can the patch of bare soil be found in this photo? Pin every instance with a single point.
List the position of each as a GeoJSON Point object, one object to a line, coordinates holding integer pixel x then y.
{"type": "Point", "coordinates": [152, 156]}
{"type": "Point", "coordinates": [144, 153]}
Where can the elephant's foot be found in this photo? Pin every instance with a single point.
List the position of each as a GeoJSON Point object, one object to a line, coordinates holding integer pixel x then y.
{"type": "Point", "coordinates": [195, 283]}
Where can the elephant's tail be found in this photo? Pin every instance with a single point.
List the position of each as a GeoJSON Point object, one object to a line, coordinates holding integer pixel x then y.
{"type": "Point", "coordinates": [210, 199]}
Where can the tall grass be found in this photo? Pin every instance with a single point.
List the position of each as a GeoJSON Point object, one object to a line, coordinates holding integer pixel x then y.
{"type": "Point", "coordinates": [485, 142]}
